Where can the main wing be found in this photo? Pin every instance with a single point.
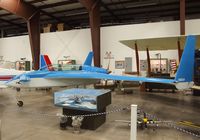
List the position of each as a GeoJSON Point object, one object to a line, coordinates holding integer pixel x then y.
{"type": "Point", "coordinates": [102, 76]}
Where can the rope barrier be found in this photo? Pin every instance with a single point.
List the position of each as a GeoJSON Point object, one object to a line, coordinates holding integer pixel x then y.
{"type": "Point", "coordinates": [114, 109]}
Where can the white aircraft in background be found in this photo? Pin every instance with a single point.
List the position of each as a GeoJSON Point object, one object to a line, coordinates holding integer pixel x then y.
{"type": "Point", "coordinates": [8, 74]}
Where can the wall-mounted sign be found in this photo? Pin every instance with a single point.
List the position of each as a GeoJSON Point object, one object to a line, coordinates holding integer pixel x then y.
{"type": "Point", "coordinates": [119, 64]}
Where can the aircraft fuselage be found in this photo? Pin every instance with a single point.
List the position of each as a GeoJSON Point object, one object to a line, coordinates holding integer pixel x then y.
{"type": "Point", "coordinates": [45, 83]}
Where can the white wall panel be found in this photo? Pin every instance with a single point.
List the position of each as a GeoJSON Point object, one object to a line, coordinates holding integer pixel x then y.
{"type": "Point", "coordinates": [14, 48]}
{"type": "Point", "coordinates": [110, 37]}
{"type": "Point", "coordinates": [77, 43]}
{"type": "Point", "coordinates": [74, 43]}
{"type": "Point", "coordinates": [192, 26]}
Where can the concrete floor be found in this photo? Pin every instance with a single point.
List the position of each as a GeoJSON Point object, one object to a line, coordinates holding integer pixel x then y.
{"type": "Point", "coordinates": [25, 124]}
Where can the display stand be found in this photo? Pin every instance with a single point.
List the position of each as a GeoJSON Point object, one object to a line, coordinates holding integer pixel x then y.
{"type": "Point", "coordinates": [90, 122]}
{"type": "Point", "coordinates": [74, 101]}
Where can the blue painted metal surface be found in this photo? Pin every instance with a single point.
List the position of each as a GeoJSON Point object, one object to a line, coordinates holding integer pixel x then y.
{"type": "Point", "coordinates": [184, 73]}
{"type": "Point", "coordinates": [95, 75]}
{"type": "Point", "coordinates": [88, 60]}
{"type": "Point", "coordinates": [94, 69]}
{"type": "Point", "coordinates": [186, 67]}
{"type": "Point", "coordinates": [42, 62]}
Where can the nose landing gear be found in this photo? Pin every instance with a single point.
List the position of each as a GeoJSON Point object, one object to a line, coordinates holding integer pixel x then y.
{"type": "Point", "coordinates": [18, 89]}
{"type": "Point", "coordinates": [18, 96]}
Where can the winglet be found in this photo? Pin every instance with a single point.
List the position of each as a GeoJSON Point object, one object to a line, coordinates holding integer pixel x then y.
{"type": "Point", "coordinates": [45, 62]}
{"type": "Point", "coordinates": [88, 60]}
{"type": "Point", "coordinates": [186, 68]}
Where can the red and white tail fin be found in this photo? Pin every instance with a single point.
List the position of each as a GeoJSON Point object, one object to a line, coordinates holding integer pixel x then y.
{"type": "Point", "coordinates": [45, 63]}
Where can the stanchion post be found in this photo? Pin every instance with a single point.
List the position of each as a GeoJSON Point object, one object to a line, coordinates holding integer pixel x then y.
{"type": "Point", "coordinates": [0, 129]}
{"type": "Point", "coordinates": [133, 135]}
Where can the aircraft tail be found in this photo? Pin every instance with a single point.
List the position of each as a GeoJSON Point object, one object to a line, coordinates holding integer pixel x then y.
{"type": "Point", "coordinates": [45, 62]}
{"type": "Point", "coordinates": [88, 60]}
{"type": "Point", "coordinates": [186, 67]}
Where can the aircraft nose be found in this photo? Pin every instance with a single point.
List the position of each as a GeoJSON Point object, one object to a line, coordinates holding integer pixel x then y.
{"type": "Point", "coordinates": [9, 83]}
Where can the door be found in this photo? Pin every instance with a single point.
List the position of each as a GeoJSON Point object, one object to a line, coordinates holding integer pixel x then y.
{"type": "Point", "coordinates": [128, 64]}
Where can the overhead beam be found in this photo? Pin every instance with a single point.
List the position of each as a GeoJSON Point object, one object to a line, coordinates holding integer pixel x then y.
{"type": "Point", "coordinates": [81, 9]}
{"type": "Point", "coordinates": [18, 33]}
{"type": "Point", "coordinates": [19, 8]}
{"type": "Point", "coordinates": [6, 14]}
{"type": "Point", "coordinates": [110, 11]}
{"type": "Point", "coordinates": [164, 12]}
{"type": "Point", "coordinates": [156, 8]}
{"type": "Point", "coordinates": [167, 9]}
{"type": "Point", "coordinates": [12, 23]}
{"type": "Point", "coordinates": [59, 19]}
{"type": "Point", "coordinates": [56, 18]}
{"type": "Point", "coordinates": [35, 1]}
{"type": "Point", "coordinates": [83, 18]}
{"type": "Point", "coordinates": [173, 11]}
{"type": "Point", "coordinates": [182, 17]}
{"type": "Point", "coordinates": [11, 31]}
{"type": "Point", "coordinates": [2, 33]}
{"type": "Point", "coordinates": [57, 4]}
{"type": "Point", "coordinates": [137, 9]}
{"type": "Point", "coordinates": [49, 5]}
{"type": "Point", "coordinates": [93, 7]}
{"type": "Point", "coordinates": [168, 6]}
{"type": "Point", "coordinates": [32, 16]}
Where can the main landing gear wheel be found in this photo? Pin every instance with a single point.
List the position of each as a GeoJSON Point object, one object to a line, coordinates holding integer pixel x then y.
{"type": "Point", "coordinates": [20, 103]}
{"type": "Point", "coordinates": [18, 89]}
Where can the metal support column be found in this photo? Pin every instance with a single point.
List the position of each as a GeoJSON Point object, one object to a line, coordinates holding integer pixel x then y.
{"type": "Point", "coordinates": [34, 36]}
{"type": "Point", "coordinates": [93, 7]}
{"type": "Point", "coordinates": [148, 63]}
{"type": "Point", "coordinates": [31, 15]}
{"type": "Point", "coordinates": [137, 59]}
{"type": "Point", "coordinates": [182, 17]}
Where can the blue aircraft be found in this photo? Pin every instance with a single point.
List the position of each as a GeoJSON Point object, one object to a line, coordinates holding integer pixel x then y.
{"type": "Point", "coordinates": [56, 76]}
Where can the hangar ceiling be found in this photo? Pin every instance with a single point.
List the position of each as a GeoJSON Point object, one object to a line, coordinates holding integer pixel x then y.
{"type": "Point", "coordinates": [113, 12]}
